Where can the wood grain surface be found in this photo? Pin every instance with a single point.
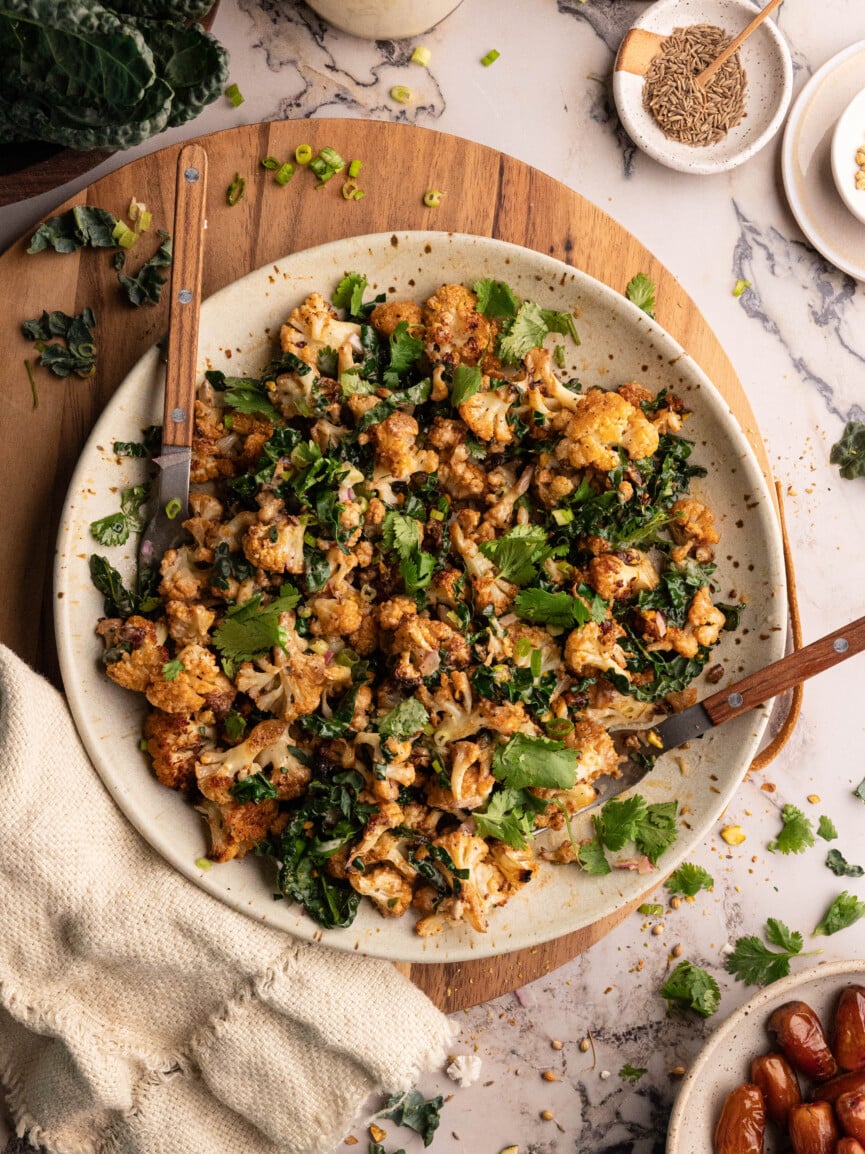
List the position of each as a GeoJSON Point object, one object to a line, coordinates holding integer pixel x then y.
{"type": "Point", "coordinates": [487, 193]}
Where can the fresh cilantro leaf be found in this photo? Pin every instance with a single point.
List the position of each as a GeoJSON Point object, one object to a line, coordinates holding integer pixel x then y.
{"type": "Point", "coordinates": [349, 293]}
{"type": "Point", "coordinates": [593, 859]}
{"type": "Point", "coordinates": [525, 762]}
{"type": "Point", "coordinates": [171, 670]}
{"type": "Point", "coordinates": [402, 535]}
{"type": "Point", "coordinates": [843, 912]}
{"type": "Point", "coordinates": [110, 530]}
{"type": "Point", "coordinates": [404, 348]}
{"type": "Point", "coordinates": [255, 788]}
{"type": "Point", "coordinates": [467, 382]}
{"type": "Point", "coordinates": [826, 828]}
{"type": "Point", "coordinates": [840, 867]}
{"type": "Point", "coordinates": [629, 1073]}
{"type": "Point", "coordinates": [691, 987]}
{"type": "Point", "coordinates": [146, 285]}
{"type": "Point", "coordinates": [248, 630]}
{"type": "Point", "coordinates": [418, 1113]}
{"type": "Point", "coordinates": [796, 835]}
{"type": "Point", "coordinates": [509, 816]}
{"type": "Point", "coordinates": [562, 323]}
{"type": "Point", "coordinates": [689, 879]}
{"type": "Point", "coordinates": [640, 291]}
{"type": "Point", "coordinates": [755, 964]}
{"type": "Point", "coordinates": [657, 830]}
{"type": "Point", "coordinates": [406, 720]}
{"type": "Point", "coordinates": [543, 608]}
{"type": "Point", "coordinates": [526, 332]}
{"type": "Point", "coordinates": [353, 384]}
{"type": "Point", "coordinates": [519, 552]}
{"type": "Point", "coordinates": [618, 821]}
{"type": "Point", "coordinates": [496, 299]}
{"type": "Point", "coordinates": [849, 453]}
{"type": "Point", "coordinates": [234, 725]}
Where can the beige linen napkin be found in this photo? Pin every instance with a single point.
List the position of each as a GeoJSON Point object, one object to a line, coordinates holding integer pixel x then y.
{"type": "Point", "coordinates": [139, 1015]}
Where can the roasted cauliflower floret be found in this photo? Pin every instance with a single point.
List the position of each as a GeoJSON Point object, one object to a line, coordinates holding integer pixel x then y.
{"type": "Point", "coordinates": [455, 332]}
{"type": "Point", "coordinates": [422, 644]}
{"type": "Point", "coordinates": [183, 578]}
{"type": "Point", "coordinates": [618, 576]}
{"type": "Point", "coordinates": [175, 742]}
{"type": "Point", "coordinates": [471, 896]}
{"type": "Point", "coordinates": [290, 681]}
{"type": "Point", "coordinates": [267, 750]}
{"type": "Point", "coordinates": [603, 423]}
{"type": "Point", "coordinates": [459, 475]}
{"type": "Point", "coordinates": [314, 326]}
{"type": "Point", "coordinates": [384, 318]}
{"type": "Point", "coordinates": [199, 682]}
{"type": "Point", "coordinates": [237, 827]}
{"type": "Point", "coordinates": [134, 652]}
{"type": "Point", "coordinates": [594, 647]}
{"type": "Point", "coordinates": [397, 455]}
{"type": "Point", "coordinates": [389, 891]}
{"type": "Point", "coordinates": [489, 588]}
{"type": "Point", "coordinates": [486, 414]}
{"type": "Point", "coordinates": [277, 546]}
{"type": "Point", "coordinates": [517, 866]}
{"type": "Point", "coordinates": [189, 624]}
{"type": "Point", "coordinates": [703, 627]}
{"type": "Point", "coordinates": [471, 778]}
{"type": "Point", "coordinates": [335, 617]}
{"type": "Point", "coordinates": [693, 526]}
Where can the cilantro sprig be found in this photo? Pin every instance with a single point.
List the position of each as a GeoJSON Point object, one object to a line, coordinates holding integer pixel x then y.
{"type": "Point", "coordinates": [690, 987]}
{"type": "Point", "coordinates": [405, 720]}
{"type": "Point", "coordinates": [116, 527]}
{"type": "Point", "coordinates": [797, 832]}
{"type": "Point", "coordinates": [844, 911]}
{"type": "Point", "coordinates": [518, 554]}
{"type": "Point", "coordinates": [689, 879]}
{"type": "Point", "coordinates": [753, 963]}
{"type": "Point", "coordinates": [402, 535]}
{"type": "Point", "coordinates": [526, 762]}
{"type": "Point", "coordinates": [540, 607]}
{"type": "Point", "coordinates": [249, 630]}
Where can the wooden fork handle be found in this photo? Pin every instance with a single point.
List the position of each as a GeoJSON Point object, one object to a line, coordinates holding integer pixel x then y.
{"type": "Point", "coordinates": [782, 675]}
{"type": "Point", "coordinates": [184, 307]}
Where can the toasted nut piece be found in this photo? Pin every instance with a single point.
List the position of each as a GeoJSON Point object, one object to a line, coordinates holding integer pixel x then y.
{"type": "Point", "coordinates": [800, 1035]}
{"type": "Point", "coordinates": [850, 1108]}
{"type": "Point", "coordinates": [776, 1078]}
{"type": "Point", "coordinates": [849, 1036]}
{"type": "Point", "coordinates": [733, 834]}
{"type": "Point", "coordinates": [813, 1129]}
{"type": "Point", "coordinates": [742, 1123]}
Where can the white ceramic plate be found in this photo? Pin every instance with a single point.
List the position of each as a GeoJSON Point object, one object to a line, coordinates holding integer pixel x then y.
{"type": "Point", "coordinates": [725, 1060]}
{"type": "Point", "coordinates": [619, 342]}
{"type": "Point", "coordinates": [765, 58]}
{"type": "Point", "coordinates": [806, 162]}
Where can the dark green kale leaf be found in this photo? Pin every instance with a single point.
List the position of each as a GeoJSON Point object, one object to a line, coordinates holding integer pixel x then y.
{"type": "Point", "coordinates": [840, 867]}
{"type": "Point", "coordinates": [849, 453]}
{"type": "Point", "coordinates": [80, 226]}
{"type": "Point", "coordinates": [146, 285]}
{"type": "Point", "coordinates": [120, 601]}
{"type": "Point", "coordinates": [78, 355]}
{"type": "Point", "coordinates": [418, 1113]}
{"type": "Point", "coordinates": [256, 788]}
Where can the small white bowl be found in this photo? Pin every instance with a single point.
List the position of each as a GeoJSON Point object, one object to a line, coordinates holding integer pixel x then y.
{"type": "Point", "coordinates": [765, 58]}
{"type": "Point", "coordinates": [847, 139]}
{"type": "Point", "coordinates": [725, 1061]}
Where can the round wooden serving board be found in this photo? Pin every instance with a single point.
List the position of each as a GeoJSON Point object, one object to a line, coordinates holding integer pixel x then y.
{"type": "Point", "coordinates": [486, 193]}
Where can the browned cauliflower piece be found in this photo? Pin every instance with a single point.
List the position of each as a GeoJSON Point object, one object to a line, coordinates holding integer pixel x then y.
{"type": "Point", "coordinates": [237, 827]}
{"type": "Point", "coordinates": [336, 617]}
{"type": "Point", "coordinates": [397, 455]}
{"type": "Point", "coordinates": [517, 866]}
{"type": "Point", "coordinates": [289, 682]}
{"type": "Point", "coordinates": [618, 576]}
{"type": "Point", "coordinates": [267, 750]}
{"type": "Point", "coordinates": [455, 332]}
{"type": "Point", "coordinates": [459, 475]}
{"type": "Point", "coordinates": [385, 317]}
{"type": "Point", "coordinates": [183, 577]}
{"type": "Point", "coordinates": [314, 326]}
{"type": "Point", "coordinates": [471, 778]}
{"type": "Point", "coordinates": [199, 683]}
{"type": "Point", "coordinates": [489, 588]}
{"type": "Point", "coordinates": [275, 546]}
{"type": "Point", "coordinates": [693, 527]}
{"type": "Point", "coordinates": [189, 623]}
{"type": "Point", "coordinates": [703, 626]}
{"type": "Point", "coordinates": [135, 649]}
{"type": "Point", "coordinates": [175, 742]}
{"type": "Point", "coordinates": [594, 647]}
{"type": "Point", "coordinates": [598, 758]}
{"type": "Point", "coordinates": [422, 645]}
{"type": "Point", "coordinates": [486, 414]}
{"type": "Point", "coordinates": [385, 887]}
{"type": "Point", "coordinates": [603, 423]}
{"type": "Point", "coordinates": [472, 896]}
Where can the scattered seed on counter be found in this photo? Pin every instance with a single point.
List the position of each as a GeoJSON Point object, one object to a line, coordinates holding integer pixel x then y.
{"type": "Point", "coordinates": [658, 929]}
{"type": "Point", "coordinates": [547, 1115]}
{"type": "Point", "coordinates": [814, 798]}
{"type": "Point", "coordinates": [676, 902]}
{"type": "Point", "coordinates": [511, 1150]}
{"type": "Point", "coordinates": [585, 1046]}
{"type": "Point", "coordinates": [676, 951]}
{"type": "Point", "coordinates": [556, 1044]}
{"type": "Point", "coordinates": [549, 1076]}
{"type": "Point", "coordinates": [678, 1072]}
{"type": "Point", "coordinates": [350, 1140]}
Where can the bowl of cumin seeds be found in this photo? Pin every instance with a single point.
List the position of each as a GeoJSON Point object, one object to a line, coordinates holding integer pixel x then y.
{"type": "Point", "coordinates": [680, 125]}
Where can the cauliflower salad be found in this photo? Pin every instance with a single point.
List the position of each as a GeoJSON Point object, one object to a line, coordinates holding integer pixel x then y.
{"type": "Point", "coordinates": [426, 574]}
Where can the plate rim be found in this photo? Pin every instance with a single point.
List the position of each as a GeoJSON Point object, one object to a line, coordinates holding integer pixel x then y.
{"type": "Point", "coordinates": [480, 945]}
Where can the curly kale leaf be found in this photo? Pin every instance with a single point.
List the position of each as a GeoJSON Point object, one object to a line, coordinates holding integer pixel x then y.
{"type": "Point", "coordinates": [849, 453]}
{"type": "Point", "coordinates": [81, 225]}
{"type": "Point", "coordinates": [77, 355]}
{"type": "Point", "coordinates": [146, 285]}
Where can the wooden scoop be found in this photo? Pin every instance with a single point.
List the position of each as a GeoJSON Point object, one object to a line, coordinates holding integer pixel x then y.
{"type": "Point", "coordinates": [639, 48]}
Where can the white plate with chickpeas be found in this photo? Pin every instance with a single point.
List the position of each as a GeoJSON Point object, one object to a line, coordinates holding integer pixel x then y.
{"type": "Point", "coordinates": [618, 344]}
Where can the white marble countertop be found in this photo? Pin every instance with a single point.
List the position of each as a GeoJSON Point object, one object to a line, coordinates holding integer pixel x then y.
{"type": "Point", "coordinates": [797, 342]}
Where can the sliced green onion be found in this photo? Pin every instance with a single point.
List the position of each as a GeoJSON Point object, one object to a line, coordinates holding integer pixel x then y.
{"type": "Point", "coordinates": [309, 540]}
{"type": "Point", "coordinates": [303, 153]}
{"type": "Point", "coordinates": [563, 516]}
{"type": "Point", "coordinates": [559, 727]}
{"type": "Point", "coordinates": [234, 95]}
{"type": "Point", "coordinates": [332, 158]}
{"type": "Point", "coordinates": [145, 220]}
{"type": "Point", "coordinates": [304, 611]}
{"type": "Point", "coordinates": [319, 646]}
{"type": "Point", "coordinates": [172, 509]}
{"type": "Point", "coordinates": [359, 194]}
{"type": "Point", "coordinates": [401, 94]}
{"type": "Point", "coordinates": [537, 658]}
{"type": "Point", "coordinates": [228, 421]}
{"type": "Point", "coordinates": [142, 745]}
{"type": "Point", "coordinates": [124, 235]}
{"type": "Point", "coordinates": [421, 55]}
{"type": "Point", "coordinates": [203, 864]}
{"type": "Point", "coordinates": [354, 169]}
{"type": "Point", "coordinates": [32, 381]}
{"type": "Point", "coordinates": [490, 58]}
{"type": "Point", "coordinates": [284, 173]}
{"type": "Point", "coordinates": [436, 515]}
{"type": "Point", "coordinates": [522, 648]}
{"type": "Point", "coordinates": [740, 287]}
{"type": "Point", "coordinates": [270, 163]}
{"type": "Point", "coordinates": [319, 166]}
{"type": "Point", "coordinates": [349, 188]}
{"type": "Point", "coordinates": [367, 593]}
{"type": "Point", "coordinates": [236, 190]}
{"type": "Point", "coordinates": [559, 355]}
{"type": "Point", "coordinates": [650, 909]}
{"type": "Point", "coordinates": [322, 180]}
{"type": "Point", "coordinates": [432, 198]}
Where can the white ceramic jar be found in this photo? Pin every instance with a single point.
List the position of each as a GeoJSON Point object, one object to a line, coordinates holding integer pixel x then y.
{"type": "Point", "coordinates": [384, 19]}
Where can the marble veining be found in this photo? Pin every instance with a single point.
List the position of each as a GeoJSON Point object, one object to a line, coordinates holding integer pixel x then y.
{"type": "Point", "coordinates": [796, 338]}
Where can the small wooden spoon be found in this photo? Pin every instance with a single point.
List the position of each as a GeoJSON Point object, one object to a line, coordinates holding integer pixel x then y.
{"type": "Point", "coordinates": [710, 70]}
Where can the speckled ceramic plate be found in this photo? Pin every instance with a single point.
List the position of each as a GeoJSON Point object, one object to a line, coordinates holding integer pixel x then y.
{"type": "Point", "coordinates": [806, 162]}
{"type": "Point", "coordinates": [725, 1060]}
{"type": "Point", "coordinates": [765, 58]}
{"type": "Point", "coordinates": [619, 343]}
{"type": "Point", "coordinates": [848, 142]}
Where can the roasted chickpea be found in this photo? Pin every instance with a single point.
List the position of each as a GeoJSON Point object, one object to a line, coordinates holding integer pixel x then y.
{"type": "Point", "coordinates": [800, 1035]}
{"type": "Point", "coordinates": [849, 1033]}
{"type": "Point", "coordinates": [742, 1123]}
{"type": "Point", "coordinates": [813, 1129]}
{"type": "Point", "coordinates": [777, 1080]}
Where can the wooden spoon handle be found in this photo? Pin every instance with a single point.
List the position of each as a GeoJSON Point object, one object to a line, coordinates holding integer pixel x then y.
{"type": "Point", "coordinates": [782, 675]}
{"type": "Point", "coordinates": [710, 70]}
{"type": "Point", "coordinates": [185, 304]}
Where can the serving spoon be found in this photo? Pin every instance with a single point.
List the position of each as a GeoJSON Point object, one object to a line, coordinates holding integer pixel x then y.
{"type": "Point", "coordinates": [641, 747]}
